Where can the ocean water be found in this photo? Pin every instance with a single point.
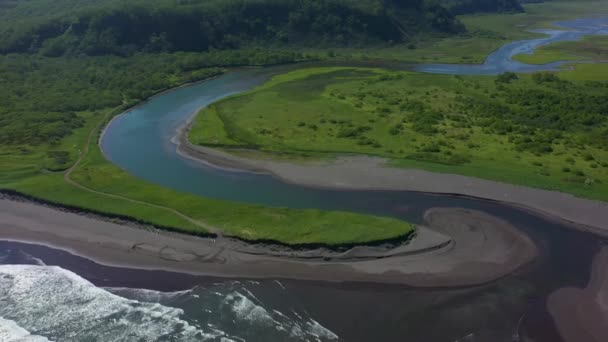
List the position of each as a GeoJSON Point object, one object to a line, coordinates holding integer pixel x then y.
{"type": "Point", "coordinates": [49, 303]}
{"type": "Point", "coordinates": [50, 294]}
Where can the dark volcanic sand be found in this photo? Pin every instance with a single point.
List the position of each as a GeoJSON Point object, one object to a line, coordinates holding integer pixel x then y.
{"type": "Point", "coordinates": [512, 305]}
{"type": "Point", "coordinates": [479, 248]}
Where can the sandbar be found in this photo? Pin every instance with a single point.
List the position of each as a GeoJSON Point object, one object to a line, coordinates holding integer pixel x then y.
{"type": "Point", "coordinates": [456, 247]}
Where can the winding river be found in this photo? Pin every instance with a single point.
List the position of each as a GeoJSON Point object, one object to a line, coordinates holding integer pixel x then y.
{"type": "Point", "coordinates": [140, 142]}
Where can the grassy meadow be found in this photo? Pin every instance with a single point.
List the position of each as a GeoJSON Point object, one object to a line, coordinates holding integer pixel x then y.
{"type": "Point", "coordinates": [111, 190]}
{"type": "Point", "coordinates": [524, 129]}
{"type": "Point", "coordinates": [590, 48]}
{"type": "Point", "coordinates": [53, 107]}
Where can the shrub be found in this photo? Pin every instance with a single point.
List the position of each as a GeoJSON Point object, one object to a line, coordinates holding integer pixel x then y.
{"type": "Point", "coordinates": [542, 77]}
{"type": "Point", "coordinates": [588, 157]}
{"type": "Point", "coordinates": [506, 77]}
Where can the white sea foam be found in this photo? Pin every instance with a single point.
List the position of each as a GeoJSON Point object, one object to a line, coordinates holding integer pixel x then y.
{"type": "Point", "coordinates": [249, 310]}
{"type": "Point", "coordinates": [23, 257]}
{"type": "Point", "coordinates": [467, 338]}
{"type": "Point", "coordinates": [30, 259]}
{"type": "Point", "coordinates": [63, 306]}
{"type": "Point", "coordinates": [10, 331]}
{"type": "Point", "coordinates": [317, 329]}
{"type": "Point", "coordinates": [145, 295]}
{"type": "Point", "coordinates": [60, 305]}
{"type": "Point", "coordinates": [280, 284]}
{"type": "Point", "coordinates": [246, 310]}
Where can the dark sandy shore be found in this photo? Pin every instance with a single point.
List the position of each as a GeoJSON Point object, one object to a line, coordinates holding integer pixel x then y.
{"type": "Point", "coordinates": [581, 315]}
{"type": "Point", "coordinates": [371, 173]}
{"type": "Point", "coordinates": [459, 248]}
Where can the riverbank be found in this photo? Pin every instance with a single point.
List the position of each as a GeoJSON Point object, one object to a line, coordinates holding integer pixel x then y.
{"type": "Point", "coordinates": [459, 248]}
{"type": "Point", "coordinates": [372, 173]}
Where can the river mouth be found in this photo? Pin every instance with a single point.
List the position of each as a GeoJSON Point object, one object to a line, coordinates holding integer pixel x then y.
{"type": "Point", "coordinates": [511, 306]}
{"type": "Point", "coordinates": [508, 308]}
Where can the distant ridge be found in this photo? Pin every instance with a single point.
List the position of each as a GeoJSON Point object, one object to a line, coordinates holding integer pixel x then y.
{"type": "Point", "coordinates": [72, 27]}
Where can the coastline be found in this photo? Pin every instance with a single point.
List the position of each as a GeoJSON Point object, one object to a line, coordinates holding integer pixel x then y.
{"type": "Point", "coordinates": [358, 173]}
{"type": "Point", "coordinates": [447, 255]}
{"type": "Point", "coordinates": [372, 173]}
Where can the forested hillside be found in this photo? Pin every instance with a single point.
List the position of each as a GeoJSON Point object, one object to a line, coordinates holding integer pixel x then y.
{"type": "Point", "coordinates": [110, 27]}
{"type": "Point", "coordinates": [482, 6]}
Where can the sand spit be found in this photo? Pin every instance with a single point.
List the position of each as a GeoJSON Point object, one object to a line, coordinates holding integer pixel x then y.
{"type": "Point", "coordinates": [459, 248]}
{"type": "Point", "coordinates": [372, 173]}
{"type": "Point", "coordinates": [581, 315]}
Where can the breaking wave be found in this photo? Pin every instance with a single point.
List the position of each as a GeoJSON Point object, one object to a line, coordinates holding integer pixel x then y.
{"type": "Point", "coordinates": [248, 310]}
{"type": "Point", "coordinates": [49, 301]}
{"type": "Point", "coordinates": [233, 307]}
{"type": "Point", "coordinates": [58, 304]}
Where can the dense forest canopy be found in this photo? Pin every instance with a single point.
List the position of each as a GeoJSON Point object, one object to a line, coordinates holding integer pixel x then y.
{"type": "Point", "coordinates": [41, 96]}
{"type": "Point", "coordinates": [482, 6]}
{"type": "Point", "coordinates": [111, 27]}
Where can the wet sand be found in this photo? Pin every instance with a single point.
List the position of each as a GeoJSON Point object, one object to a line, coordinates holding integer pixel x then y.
{"type": "Point", "coordinates": [581, 315]}
{"type": "Point", "coordinates": [458, 247]}
{"type": "Point", "coordinates": [372, 173]}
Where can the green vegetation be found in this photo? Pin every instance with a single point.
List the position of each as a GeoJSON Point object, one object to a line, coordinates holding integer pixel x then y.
{"type": "Point", "coordinates": [406, 30]}
{"type": "Point", "coordinates": [103, 187]}
{"type": "Point", "coordinates": [54, 106]}
{"type": "Point", "coordinates": [111, 27]}
{"type": "Point", "coordinates": [132, 197]}
{"type": "Point", "coordinates": [44, 99]}
{"type": "Point", "coordinates": [586, 72]}
{"type": "Point", "coordinates": [591, 48]}
{"type": "Point", "coordinates": [67, 66]}
{"type": "Point", "coordinates": [536, 130]}
{"type": "Point", "coordinates": [484, 34]}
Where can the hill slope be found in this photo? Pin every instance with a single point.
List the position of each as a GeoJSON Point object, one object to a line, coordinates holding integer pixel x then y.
{"type": "Point", "coordinates": [109, 27]}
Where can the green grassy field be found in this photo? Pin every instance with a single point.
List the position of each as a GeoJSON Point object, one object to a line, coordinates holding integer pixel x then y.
{"type": "Point", "coordinates": [52, 106]}
{"type": "Point", "coordinates": [112, 190]}
{"type": "Point", "coordinates": [523, 131]}
{"type": "Point", "coordinates": [590, 48]}
{"type": "Point", "coordinates": [586, 72]}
